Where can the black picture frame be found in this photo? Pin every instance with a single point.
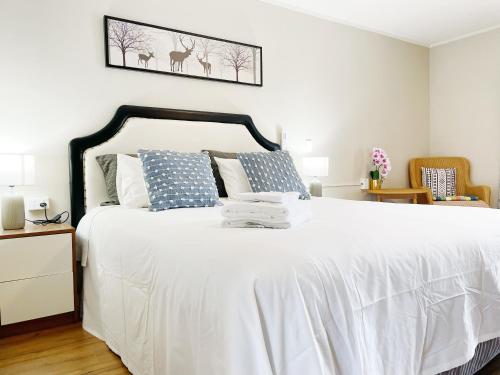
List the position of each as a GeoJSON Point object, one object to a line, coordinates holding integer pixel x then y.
{"type": "Point", "coordinates": [108, 62]}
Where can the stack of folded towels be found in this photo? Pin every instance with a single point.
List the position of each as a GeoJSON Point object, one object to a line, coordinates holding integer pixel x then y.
{"type": "Point", "coordinates": [266, 210]}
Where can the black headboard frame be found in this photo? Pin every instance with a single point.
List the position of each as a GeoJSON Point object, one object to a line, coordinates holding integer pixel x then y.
{"type": "Point", "coordinates": [78, 146]}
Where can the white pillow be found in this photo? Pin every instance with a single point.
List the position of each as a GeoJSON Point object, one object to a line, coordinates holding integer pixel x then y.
{"type": "Point", "coordinates": [130, 185]}
{"type": "Point", "coordinates": [234, 176]}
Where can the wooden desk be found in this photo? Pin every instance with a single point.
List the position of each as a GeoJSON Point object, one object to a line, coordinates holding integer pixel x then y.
{"type": "Point", "coordinates": [402, 193]}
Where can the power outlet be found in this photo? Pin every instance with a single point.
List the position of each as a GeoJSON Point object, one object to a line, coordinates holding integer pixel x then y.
{"type": "Point", "coordinates": [33, 204]}
{"type": "Point", "coordinates": [364, 183]}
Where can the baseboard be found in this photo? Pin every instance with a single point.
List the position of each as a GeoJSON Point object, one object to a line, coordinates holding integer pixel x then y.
{"type": "Point", "coordinates": [38, 324]}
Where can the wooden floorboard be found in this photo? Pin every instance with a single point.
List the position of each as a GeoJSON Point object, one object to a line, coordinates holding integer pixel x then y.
{"type": "Point", "coordinates": [67, 350]}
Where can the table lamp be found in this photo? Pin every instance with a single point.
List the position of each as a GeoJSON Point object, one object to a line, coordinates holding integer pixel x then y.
{"type": "Point", "coordinates": [15, 170]}
{"type": "Point", "coordinates": [315, 167]}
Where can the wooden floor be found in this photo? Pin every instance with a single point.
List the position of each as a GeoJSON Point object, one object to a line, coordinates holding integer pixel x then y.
{"type": "Point", "coordinates": [493, 368]}
{"type": "Point", "coordinates": [69, 350]}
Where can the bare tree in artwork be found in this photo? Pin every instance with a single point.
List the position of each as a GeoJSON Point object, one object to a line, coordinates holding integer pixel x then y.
{"type": "Point", "coordinates": [254, 64]}
{"type": "Point", "coordinates": [237, 57]}
{"type": "Point", "coordinates": [206, 47]}
{"type": "Point", "coordinates": [127, 37]}
{"type": "Point", "coordinates": [175, 39]}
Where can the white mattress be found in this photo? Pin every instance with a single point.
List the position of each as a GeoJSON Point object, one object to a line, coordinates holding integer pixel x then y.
{"type": "Point", "coordinates": [363, 288]}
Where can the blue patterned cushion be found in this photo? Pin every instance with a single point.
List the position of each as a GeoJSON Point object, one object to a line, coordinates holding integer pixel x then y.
{"type": "Point", "coordinates": [178, 179]}
{"type": "Point", "coordinates": [272, 171]}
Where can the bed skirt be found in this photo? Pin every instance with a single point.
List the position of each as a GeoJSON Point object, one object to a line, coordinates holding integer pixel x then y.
{"type": "Point", "coordinates": [485, 352]}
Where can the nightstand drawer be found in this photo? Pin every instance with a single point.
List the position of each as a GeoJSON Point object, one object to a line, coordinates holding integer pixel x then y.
{"type": "Point", "coordinates": [26, 257]}
{"type": "Point", "coordinates": [36, 298]}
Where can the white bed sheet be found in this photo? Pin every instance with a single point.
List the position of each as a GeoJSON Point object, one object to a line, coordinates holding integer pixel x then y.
{"type": "Point", "coordinates": [363, 288]}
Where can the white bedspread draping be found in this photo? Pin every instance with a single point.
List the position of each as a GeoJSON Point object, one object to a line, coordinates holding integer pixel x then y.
{"type": "Point", "coordinates": [362, 288]}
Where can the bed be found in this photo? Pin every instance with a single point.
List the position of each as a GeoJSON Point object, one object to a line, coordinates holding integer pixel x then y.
{"type": "Point", "coordinates": [363, 288]}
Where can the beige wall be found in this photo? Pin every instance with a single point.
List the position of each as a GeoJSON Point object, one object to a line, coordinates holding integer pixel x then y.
{"type": "Point", "coordinates": [345, 88]}
{"type": "Point", "coordinates": [465, 104]}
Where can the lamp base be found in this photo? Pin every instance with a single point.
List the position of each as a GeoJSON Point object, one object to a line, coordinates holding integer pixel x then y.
{"type": "Point", "coordinates": [316, 189]}
{"type": "Point", "coordinates": [13, 212]}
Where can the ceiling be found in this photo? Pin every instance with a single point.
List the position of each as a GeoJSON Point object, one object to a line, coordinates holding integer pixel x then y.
{"type": "Point", "coordinates": [425, 22]}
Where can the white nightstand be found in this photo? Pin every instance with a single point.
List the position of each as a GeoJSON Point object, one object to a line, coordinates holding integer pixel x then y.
{"type": "Point", "coordinates": [37, 278]}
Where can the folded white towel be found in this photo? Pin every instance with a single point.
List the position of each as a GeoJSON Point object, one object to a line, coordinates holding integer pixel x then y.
{"type": "Point", "coordinates": [272, 197]}
{"type": "Point", "coordinates": [272, 224]}
{"type": "Point", "coordinates": [265, 211]}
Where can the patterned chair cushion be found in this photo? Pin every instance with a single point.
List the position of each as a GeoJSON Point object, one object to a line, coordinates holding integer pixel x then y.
{"type": "Point", "coordinates": [458, 198]}
{"type": "Point", "coordinates": [442, 182]}
{"type": "Point", "coordinates": [272, 171]}
{"type": "Point", "coordinates": [178, 179]}
{"type": "Point", "coordinates": [477, 203]}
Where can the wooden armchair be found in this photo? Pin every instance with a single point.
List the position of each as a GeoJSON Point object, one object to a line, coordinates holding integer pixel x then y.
{"type": "Point", "coordinates": [464, 184]}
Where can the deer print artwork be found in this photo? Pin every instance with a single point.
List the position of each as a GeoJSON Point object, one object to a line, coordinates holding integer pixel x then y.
{"type": "Point", "coordinates": [179, 57]}
{"type": "Point", "coordinates": [155, 49]}
{"type": "Point", "coordinates": [144, 59]}
{"type": "Point", "coordinates": [207, 67]}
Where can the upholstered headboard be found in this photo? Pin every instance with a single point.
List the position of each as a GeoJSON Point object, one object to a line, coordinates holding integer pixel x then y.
{"type": "Point", "coordinates": [134, 127]}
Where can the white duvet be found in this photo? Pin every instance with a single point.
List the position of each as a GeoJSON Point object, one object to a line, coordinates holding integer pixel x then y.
{"type": "Point", "coordinates": [362, 288]}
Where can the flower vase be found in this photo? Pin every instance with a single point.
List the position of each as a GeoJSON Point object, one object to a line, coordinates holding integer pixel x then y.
{"type": "Point", "coordinates": [375, 184]}
{"type": "Point", "coordinates": [375, 180]}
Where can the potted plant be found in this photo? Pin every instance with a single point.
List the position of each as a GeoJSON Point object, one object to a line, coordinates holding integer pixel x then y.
{"type": "Point", "coordinates": [381, 166]}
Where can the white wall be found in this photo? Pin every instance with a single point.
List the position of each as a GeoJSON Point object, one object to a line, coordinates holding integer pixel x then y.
{"type": "Point", "coordinates": [345, 88]}
{"type": "Point", "coordinates": [465, 104]}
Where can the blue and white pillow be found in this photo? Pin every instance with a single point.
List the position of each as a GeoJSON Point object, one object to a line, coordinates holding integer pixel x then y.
{"type": "Point", "coordinates": [178, 179]}
{"type": "Point", "coordinates": [272, 171]}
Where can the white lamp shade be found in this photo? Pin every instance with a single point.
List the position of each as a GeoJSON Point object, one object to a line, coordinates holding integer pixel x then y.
{"type": "Point", "coordinates": [315, 166]}
{"type": "Point", "coordinates": [17, 169]}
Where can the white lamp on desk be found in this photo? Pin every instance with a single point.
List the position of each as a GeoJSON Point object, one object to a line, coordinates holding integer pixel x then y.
{"type": "Point", "coordinates": [15, 170]}
{"type": "Point", "coordinates": [315, 167]}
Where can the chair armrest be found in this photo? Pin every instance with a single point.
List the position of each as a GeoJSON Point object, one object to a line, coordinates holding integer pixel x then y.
{"type": "Point", "coordinates": [424, 198]}
{"type": "Point", "coordinates": [483, 192]}
{"type": "Point", "coordinates": [429, 196]}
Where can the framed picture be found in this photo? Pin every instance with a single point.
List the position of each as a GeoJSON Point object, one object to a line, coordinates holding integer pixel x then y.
{"type": "Point", "coordinates": [139, 46]}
